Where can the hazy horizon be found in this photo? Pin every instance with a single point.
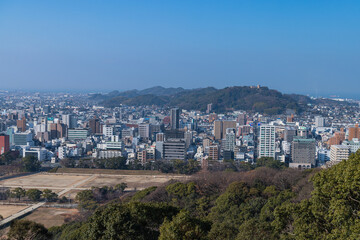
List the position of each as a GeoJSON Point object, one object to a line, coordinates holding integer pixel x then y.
{"type": "Point", "coordinates": [295, 47]}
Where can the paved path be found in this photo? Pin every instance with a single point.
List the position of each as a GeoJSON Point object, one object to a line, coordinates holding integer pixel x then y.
{"type": "Point", "coordinates": [37, 205]}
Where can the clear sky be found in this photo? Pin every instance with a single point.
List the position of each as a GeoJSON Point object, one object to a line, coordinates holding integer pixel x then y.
{"type": "Point", "coordinates": [293, 46]}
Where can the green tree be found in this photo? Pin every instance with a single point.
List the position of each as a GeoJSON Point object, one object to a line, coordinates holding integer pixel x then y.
{"type": "Point", "coordinates": [34, 194]}
{"type": "Point", "coordinates": [269, 162]}
{"type": "Point", "coordinates": [30, 164]}
{"type": "Point", "coordinates": [121, 186]}
{"type": "Point", "coordinates": [49, 195]}
{"type": "Point", "coordinates": [333, 210]}
{"type": "Point", "coordinates": [136, 221]}
{"type": "Point", "coordinates": [86, 200]}
{"type": "Point", "coordinates": [18, 193]}
{"type": "Point", "coordinates": [184, 227]}
{"type": "Point", "coordinates": [25, 229]}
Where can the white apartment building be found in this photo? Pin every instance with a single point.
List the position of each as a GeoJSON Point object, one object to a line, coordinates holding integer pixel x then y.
{"type": "Point", "coordinates": [267, 146]}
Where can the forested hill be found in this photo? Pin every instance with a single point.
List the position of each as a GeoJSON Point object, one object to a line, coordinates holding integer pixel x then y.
{"type": "Point", "coordinates": [262, 204]}
{"type": "Point", "coordinates": [262, 99]}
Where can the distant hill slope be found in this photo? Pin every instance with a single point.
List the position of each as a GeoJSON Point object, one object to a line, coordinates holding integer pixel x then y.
{"type": "Point", "coordinates": [259, 99]}
{"type": "Point", "coordinates": [156, 91]}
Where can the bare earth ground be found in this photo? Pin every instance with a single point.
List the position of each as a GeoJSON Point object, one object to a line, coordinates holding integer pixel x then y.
{"type": "Point", "coordinates": [58, 182]}
{"type": "Point", "coordinates": [8, 210]}
{"type": "Point", "coordinates": [133, 181]}
{"type": "Point", "coordinates": [73, 182]}
{"type": "Point", "coordinates": [51, 216]}
{"type": "Point", "coordinates": [43, 181]}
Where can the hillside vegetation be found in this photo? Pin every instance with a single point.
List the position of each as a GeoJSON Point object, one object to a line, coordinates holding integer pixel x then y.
{"type": "Point", "coordinates": [261, 99]}
{"type": "Point", "coordinates": [264, 203]}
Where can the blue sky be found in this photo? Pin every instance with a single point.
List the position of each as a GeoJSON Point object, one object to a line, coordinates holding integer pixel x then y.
{"type": "Point", "coordinates": [293, 46]}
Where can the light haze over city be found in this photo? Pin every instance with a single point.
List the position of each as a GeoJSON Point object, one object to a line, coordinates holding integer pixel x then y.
{"type": "Point", "coordinates": [309, 47]}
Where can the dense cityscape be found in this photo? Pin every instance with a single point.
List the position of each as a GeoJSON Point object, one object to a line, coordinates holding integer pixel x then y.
{"type": "Point", "coordinates": [179, 120]}
{"type": "Point", "coordinates": [55, 127]}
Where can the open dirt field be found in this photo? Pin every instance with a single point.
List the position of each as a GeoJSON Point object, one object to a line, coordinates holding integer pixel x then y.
{"type": "Point", "coordinates": [51, 216]}
{"type": "Point", "coordinates": [51, 181]}
{"type": "Point", "coordinates": [78, 181]}
{"type": "Point", "coordinates": [8, 210]}
{"type": "Point", "coordinates": [132, 181]}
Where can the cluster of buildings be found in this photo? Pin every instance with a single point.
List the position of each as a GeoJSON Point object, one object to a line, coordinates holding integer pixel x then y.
{"type": "Point", "coordinates": [58, 126]}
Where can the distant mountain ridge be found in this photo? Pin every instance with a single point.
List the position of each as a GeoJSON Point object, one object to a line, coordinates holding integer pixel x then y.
{"type": "Point", "coordinates": [248, 98]}
{"type": "Point", "coordinates": [157, 91]}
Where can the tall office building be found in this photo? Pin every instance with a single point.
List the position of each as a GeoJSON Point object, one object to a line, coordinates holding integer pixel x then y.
{"type": "Point", "coordinates": [174, 149]}
{"type": "Point", "coordinates": [218, 129]}
{"type": "Point", "coordinates": [188, 138]}
{"type": "Point", "coordinates": [94, 125]}
{"type": "Point", "coordinates": [209, 108]}
{"type": "Point", "coordinates": [175, 118]}
{"type": "Point", "coordinates": [230, 138]}
{"type": "Point", "coordinates": [4, 144]}
{"type": "Point", "coordinates": [21, 124]}
{"type": "Point", "coordinates": [144, 130]}
{"type": "Point", "coordinates": [69, 120]}
{"type": "Point", "coordinates": [266, 146]}
{"type": "Point", "coordinates": [303, 153]}
{"type": "Point", "coordinates": [57, 130]}
{"type": "Point", "coordinates": [221, 126]}
{"type": "Point", "coordinates": [319, 121]}
{"type": "Point", "coordinates": [354, 132]}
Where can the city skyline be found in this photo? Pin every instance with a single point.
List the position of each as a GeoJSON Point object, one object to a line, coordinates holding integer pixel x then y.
{"type": "Point", "coordinates": [294, 47]}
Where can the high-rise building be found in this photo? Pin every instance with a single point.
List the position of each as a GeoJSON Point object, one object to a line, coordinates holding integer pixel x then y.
{"type": "Point", "coordinates": [354, 132]}
{"type": "Point", "coordinates": [209, 108]}
{"type": "Point", "coordinates": [303, 153]}
{"type": "Point", "coordinates": [57, 130]}
{"type": "Point", "coordinates": [175, 118]}
{"type": "Point", "coordinates": [69, 120]}
{"type": "Point", "coordinates": [230, 138]}
{"type": "Point", "coordinates": [188, 138]}
{"type": "Point", "coordinates": [108, 131]}
{"type": "Point", "coordinates": [339, 153]}
{"type": "Point", "coordinates": [174, 149]}
{"type": "Point", "coordinates": [214, 152]}
{"type": "Point", "coordinates": [94, 125]}
{"type": "Point", "coordinates": [338, 138]}
{"type": "Point", "coordinates": [160, 137]}
{"type": "Point", "coordinates": [77, 134]}
{"type": "Point", "coordinates": [289, 134]}
{"type": "Point", "coordinates": [241, 119]}
{"type": "Point", "coordinates": [218, 129]}
{"type": "Point", "coordinates": [144, 130]}
{"type": "Point", "coordinates": [4, 144]}
{"type": "Point", "coordinates": [221, 126]}
{"type": "Point", "coordinates": [21, 124]}
{"type": "Point", "coordinates": [159, 150]}
{"type": "Point", "coordinates": [319, 121]}
{"type": "Point", "coordinates": [266, 146]}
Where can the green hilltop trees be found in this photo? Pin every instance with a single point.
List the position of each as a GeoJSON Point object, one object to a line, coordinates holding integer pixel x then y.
{"type": "Point", "coordinates": [267, 203]}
